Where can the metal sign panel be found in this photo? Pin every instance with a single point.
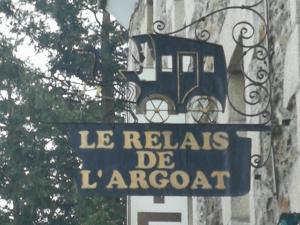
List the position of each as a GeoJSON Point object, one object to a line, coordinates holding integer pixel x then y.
{"type": "Point", "coordinates": [185, 78]}
{"type": "Point", "coordinates": [289, 219]}
{"type": "Point", "coordinates": [162, 159]}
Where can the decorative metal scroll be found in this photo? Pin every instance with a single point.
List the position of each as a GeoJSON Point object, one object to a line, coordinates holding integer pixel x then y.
{"type": "Point", "coordinates": [257, 89]}
{"type": "Point", "coordinates": [253, 40]}
{"type": "Point", "coordinates": [251, 37]}
{"type": "Point", "coordinates": [205, 160]}
{"type": "Point", "coordinates": [125, 97]}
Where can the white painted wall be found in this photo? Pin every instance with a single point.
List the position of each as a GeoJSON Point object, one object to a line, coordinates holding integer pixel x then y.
{"type": "Point", "coordinates": [189, 10]}
{"type": "Point", "coordinates": [291, 80]}
{"type": "Point", "coordinates": [298, 119]}
{"type": "Point", "coordinates": [226, 210]}
{"type": "Point", "coordinates": [294, 188]}
{"type": "Point", "coordinates": [294, 10]}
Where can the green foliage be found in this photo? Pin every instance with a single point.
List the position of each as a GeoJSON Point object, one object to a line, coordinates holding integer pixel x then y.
{"type": "Point", "coordinates": [31, 177]}
{"type": "Point", "coordinates": [37, 165]}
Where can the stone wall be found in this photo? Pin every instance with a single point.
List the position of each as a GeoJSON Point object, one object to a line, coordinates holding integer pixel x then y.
{"type": "Point", "coordinates": [272, 191]}
{"type": "Point", "coordinates": [284, 41]}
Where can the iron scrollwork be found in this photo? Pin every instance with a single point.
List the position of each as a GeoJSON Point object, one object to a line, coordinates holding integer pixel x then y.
{"type": "Point", "coordinates": [257, 93]}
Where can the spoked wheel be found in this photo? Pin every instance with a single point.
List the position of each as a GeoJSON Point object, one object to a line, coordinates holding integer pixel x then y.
{"type": "Point", "coordinates": [157, 110]}
{"type": "Point", "coordinates": [203, 109]}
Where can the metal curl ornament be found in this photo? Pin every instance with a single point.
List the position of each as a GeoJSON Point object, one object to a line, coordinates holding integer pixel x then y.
{"type": "Point", "coordinates": [130, 92]}
{"type": "Point", "coordinates": [124, 92]}
{"type": "Point", "coordinates": [256, 97]}
{"type": "Point", "coordinates": [262, 76]}
{"type": "Point", "coordinates": [261, 53]}
{"type": "Point", "coordinates": [159, 26]}
{"type": "Point", "coordinates": [252, 98]}
{"type": "Point", "coordinates": [257, 161]}
{"type": "Point", "coordinates": [258, 90]}
{"type": "Point", "coordinates": [201, 35]}
{"type": "Point", "coordinates": [268, 116]}
{"type": "Point", "coordinates": [261, 73]}
{"type": "Point", "coordinates": [242, 31]}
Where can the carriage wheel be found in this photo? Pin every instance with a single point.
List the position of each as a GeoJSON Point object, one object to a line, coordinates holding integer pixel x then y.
{"type": "Point", "coordinates": [203, 109]}
{"type": "Point", "coordinates": [157, 110]}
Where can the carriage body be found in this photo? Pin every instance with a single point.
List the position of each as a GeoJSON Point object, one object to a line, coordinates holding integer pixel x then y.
{"type": "Point", "coordinates": [194, 68]}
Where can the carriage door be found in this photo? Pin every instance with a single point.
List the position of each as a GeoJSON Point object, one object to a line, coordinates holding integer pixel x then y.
{"type": "Point", "coordinates": [188, 74]}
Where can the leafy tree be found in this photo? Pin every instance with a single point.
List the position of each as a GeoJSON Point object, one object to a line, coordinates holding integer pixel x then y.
{"type": "Point", "coordinates": [35, 188]}
{"type": "Point", "coordinates": [37, 166]}
{"type": "Point", "coordinates": [79, 36]}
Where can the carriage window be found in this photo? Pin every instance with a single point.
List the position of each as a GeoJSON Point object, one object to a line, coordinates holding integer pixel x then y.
{"type": "Point", "coordinates": [166, 63]}
{"type": "Point", "coordinates": [209, 64]}
{"type": "Point", "coordinates": [188, 63]}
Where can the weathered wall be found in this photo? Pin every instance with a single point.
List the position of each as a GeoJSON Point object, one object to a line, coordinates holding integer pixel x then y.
{"type": "Point", "coordinates": [262, 206]}
{"type": "Point", "coordinates": [284, 41]}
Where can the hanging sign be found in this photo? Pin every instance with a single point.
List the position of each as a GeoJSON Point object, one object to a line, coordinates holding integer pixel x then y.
{"type": "Point", "coordinates": [289, 219]}
{"type": "Point", "coordinates": [161, 159]}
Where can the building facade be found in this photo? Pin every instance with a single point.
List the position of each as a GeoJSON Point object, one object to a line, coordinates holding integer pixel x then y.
{"type": "Point", "coordinates": [263, 73]}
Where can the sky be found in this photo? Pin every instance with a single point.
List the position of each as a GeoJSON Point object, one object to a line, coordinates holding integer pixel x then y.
{"type": "Point", "coordinates": [26, 51]}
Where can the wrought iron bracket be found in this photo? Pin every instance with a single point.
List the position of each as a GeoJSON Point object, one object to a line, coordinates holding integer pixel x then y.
{"type": "Point", "coordinates": [254, 42]}
{"type": "Point", "coordinates": [258, 88]}
{"type": "Point", "coordinates": [257, 91]}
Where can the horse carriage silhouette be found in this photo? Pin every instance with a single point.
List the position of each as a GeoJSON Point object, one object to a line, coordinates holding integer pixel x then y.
{"type": "Point", "coordinates": [190, 76]}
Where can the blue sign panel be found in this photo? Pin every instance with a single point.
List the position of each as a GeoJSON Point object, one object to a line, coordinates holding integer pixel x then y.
{"type": "Point", "coordinates": [162, 159]}
{"type": "Point", "coordinates": [289, 219]}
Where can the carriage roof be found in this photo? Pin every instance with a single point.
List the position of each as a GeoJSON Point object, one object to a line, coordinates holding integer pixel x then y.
{"type": "Point", "coordinates": [165, 43]}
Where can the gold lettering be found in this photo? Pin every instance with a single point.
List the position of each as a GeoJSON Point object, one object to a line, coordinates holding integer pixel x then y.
{"type": "Point", "coordinates": [85, 178]}
{"type": "Point", "coordinates": [174, 179]}
{"type": "Point", "coordinates": [167, 137]}
{"type": "Point", "coordinates": [132, 140]}
{"type": "Point", "coordinates": [220, 175]}
{"type": "Point", "coordinates": [190, 141]}
{"type": "Point", "coordinates": [200, 181]}
{"type": "Point", "coordinates": [156, 182]}
{"type": "Point", "coordinates": [152, 140]}
{"type": "Point", "coordinates": [116, 180]}
{"type": "Point", "coordinates": [84, 140]}
{"type": "Point", "coordinates": [104, 139]}
{"type": "Point", "coordinates": [220, 141]}
{"type": "Point", "coordinates": [146, 160]}
{"type": "Point", "coordinates": [165, 160]}
{"type": "Point", "coordinates": [206, 141]}
{"type": "Point", "coordinates": [138, 179]}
